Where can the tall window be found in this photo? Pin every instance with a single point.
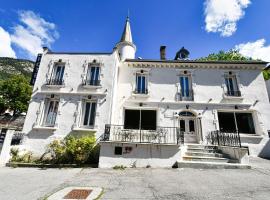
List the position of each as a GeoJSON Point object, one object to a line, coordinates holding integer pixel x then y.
{"type": "Point", "coordinates": [186, 87]}
{"type": "Point", "coordinates": [140, 119]}
{"type": "Point", "coordinates": [141, 84]}
{"type": "Point", "coordinates": [236, 121]}
{"type": "Point", "coordinates": [89, 114]}
{"type": "Point", "coordinates": [93, 75]}
{"type": "Point", "coordinates": [57, 75]}
{"type": "Point", "coordinates": [51, 109]}
{"type": "Point", "coordinates": [231, 85]}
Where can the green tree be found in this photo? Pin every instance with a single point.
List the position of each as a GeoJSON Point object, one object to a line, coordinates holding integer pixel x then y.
{"type": "Point", "coordinates": [15, 94]}
{"type": "Point", "coordinates": [231, 55]}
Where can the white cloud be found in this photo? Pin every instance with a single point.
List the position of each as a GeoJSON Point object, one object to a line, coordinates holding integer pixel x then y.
{"type": "Point", "coordinates": [255, 50]}
{"type": "Point", "coordinates": [33, 33]}
{"type": "Point", "coordinates": [5, 44]}
{"type": "Point", "coordinates": [222, 15]}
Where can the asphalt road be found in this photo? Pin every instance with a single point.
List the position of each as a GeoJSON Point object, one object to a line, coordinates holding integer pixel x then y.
{"type": "Point", "coordinates": [191, 184]}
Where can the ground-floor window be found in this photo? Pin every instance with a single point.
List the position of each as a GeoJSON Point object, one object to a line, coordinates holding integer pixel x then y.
{"type": "Point", "coordinates": [89, 114]}
{"type": "Point", "coordinates": [51, 109]}
{"type": "Point", "coordinates": [140, 119]}
{"type": "Point", "coordinates": [236, 121]}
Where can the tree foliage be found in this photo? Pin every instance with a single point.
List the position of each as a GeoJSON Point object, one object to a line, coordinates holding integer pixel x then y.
{"type": "Point", "coordinates": [15, 93]}
{"type": "Point", "coordinates": [266, 74]}
{"type": "Point", "coordinates": [231, 55]}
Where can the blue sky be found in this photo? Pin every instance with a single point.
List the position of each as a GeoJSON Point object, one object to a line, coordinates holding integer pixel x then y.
{"type": "Point", "coordinates": [202, 26]}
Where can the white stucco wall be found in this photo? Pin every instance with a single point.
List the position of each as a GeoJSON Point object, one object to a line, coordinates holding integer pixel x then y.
{"type": "Point", "coordinates": [141, 155]}
{"type": "Point", "coordinates": [207, 84]}
{"type": "Point", "coordinates": [71, 95]}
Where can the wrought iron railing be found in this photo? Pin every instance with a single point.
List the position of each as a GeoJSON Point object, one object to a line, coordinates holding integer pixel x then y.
{"type": "Point", "coordinates": [55, 82]}
{"type": "Point", "coordinates": [224, 139]}
{"type": "Point", "coordinates": [188, 95]}
{"type": "Point", "coordinates": [91, 82]}
{"type": "Point", "coordinates": [231, 93]}
{"type": "Point", "coordinates": [140, 91]}
{"type": "Point", "coordinates": [161, 135]}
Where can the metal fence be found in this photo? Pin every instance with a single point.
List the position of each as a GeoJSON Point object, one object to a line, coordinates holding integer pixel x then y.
{"type": "Point", "coordinates": [161, 135]}
{"type": "Point", "coordinates": [224, 139]}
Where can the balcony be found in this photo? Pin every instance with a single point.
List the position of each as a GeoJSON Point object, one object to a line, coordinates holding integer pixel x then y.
{"type": "Point", "coordinates": [236, 93]}
{"type": "Point", "coordinates": [55, 82]}
{"type": "Point", "coordinates": [91, 83]}
{"type": "Point", "coordinates": [142, 92]}
{"type": "Point", "coordinates": [161, 135]}
{"type": "Point", "coordinates": [187, 95]}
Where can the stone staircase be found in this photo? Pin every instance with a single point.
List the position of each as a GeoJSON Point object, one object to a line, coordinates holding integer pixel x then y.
{"type": "Point", "coordinates": [206, 156]}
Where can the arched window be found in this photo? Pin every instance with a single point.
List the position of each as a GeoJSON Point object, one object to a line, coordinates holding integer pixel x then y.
{"type": "Point", "coordinates": [186, 114]}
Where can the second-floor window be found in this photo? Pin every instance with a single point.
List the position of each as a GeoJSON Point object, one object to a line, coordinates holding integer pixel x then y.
{"type": "Point", "coordinates": [185, 86]}
{"type": "Point", "coordinates": [232, 85]}
{"type": "Point", "coordinates": [141, 84]}
{"type": "Point", "coordinates": [50, 114]}
{"type": "Point", "coordinates": [89, 114]}
{"type": "Point", "coordinates": [93, 75]}
{"type": "Point", "coordinates": [57, 77]}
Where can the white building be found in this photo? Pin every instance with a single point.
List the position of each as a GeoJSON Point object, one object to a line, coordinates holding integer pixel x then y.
{"type": "Point", "coordinates": [151, 107]}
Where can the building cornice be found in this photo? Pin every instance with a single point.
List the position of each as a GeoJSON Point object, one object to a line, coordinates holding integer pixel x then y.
{"type": "Point", "coordinates": [255, 65]}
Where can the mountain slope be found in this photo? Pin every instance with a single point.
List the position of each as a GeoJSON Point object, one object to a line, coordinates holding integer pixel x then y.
{"type": "Point", "coordinates": [10, 66]}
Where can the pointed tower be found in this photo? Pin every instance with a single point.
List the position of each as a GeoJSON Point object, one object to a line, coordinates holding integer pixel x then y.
{"type": "Point", "coordinates": [125, 47]}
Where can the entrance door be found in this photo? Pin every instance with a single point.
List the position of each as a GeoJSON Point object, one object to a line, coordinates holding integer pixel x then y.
{"type": "Point", "coordinates": [187, 124]}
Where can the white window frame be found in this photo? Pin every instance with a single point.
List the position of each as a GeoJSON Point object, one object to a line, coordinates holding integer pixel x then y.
{"type": "Point", "coordinates": [144, 74]}
{"type": "Point", "coordinates": [88, 73]}
{"type": "Point", "coordinates": [235, 81]}
{"type": "Point", "coordinates": [190, 88]}
{"type": "Point", "coordinates": [54, 69]}
{"type": "Point", "coordinates": [46, 110]}
{"type": "Point", "coordinates": [89, 116]}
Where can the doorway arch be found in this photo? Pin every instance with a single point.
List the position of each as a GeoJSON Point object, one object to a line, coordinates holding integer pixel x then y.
{"type": "Point", "coordinates": [188, 124]}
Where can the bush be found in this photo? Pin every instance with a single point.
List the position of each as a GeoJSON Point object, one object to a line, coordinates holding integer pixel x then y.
{"type": "Point", "coordinates": [70, 150]}
{"type": "Point", "coordinates": [26, 157]}
{"type": "Point", "coordinates": [73, 150]}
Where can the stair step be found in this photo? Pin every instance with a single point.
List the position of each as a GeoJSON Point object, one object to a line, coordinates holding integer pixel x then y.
{"type": "Point", "coordinates": [201, 146]}
{"type": "Point", "coordinates": [205, 159]}
{"type": "Point", "coordinates": [201, 150]}
{"type": "Point", "coordinates": [211, 165]}
{"type": "Point", "coordinates": [204, 154]}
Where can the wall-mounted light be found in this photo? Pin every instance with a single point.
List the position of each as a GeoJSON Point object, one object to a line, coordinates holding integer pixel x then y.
{"type": "Point", "coordinates": [210, 100]}
{"type": "Point", "coordinates": [187, 106]}
{"type": "Point", "coordinates": [254, 104]}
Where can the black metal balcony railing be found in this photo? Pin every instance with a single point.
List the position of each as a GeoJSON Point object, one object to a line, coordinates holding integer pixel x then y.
{"type": "Point", "coordinates": [231, 93]}
{"type": "Point", "coordinates": [224, 139]}
{"type": "Point", "coordinates": [186, 95]}
{"type": "Point", "coordinates": [140, 91]}
{"type": "Point", "coordinates": [55, 82]}
{"type": "Point", "coordinates": [162, 135]}
{"type": "Point", "coordinates": [91, 82]}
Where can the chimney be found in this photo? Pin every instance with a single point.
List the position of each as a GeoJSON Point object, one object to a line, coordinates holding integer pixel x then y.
{"type": "Point", "coordinates": [163, 52]}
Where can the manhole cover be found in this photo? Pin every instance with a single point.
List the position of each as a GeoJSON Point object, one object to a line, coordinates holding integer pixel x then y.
{"type": "Point", "coordinates": [78, 194]}
{"type": "Point", "coordinates": [73, 192]}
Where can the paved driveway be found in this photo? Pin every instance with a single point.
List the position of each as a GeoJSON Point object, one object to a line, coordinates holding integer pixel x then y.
{"type": "Point", "coordinates": [29, 183]}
